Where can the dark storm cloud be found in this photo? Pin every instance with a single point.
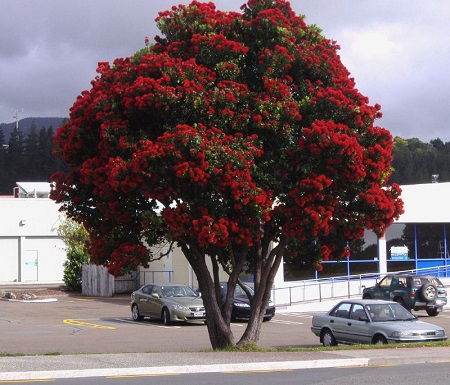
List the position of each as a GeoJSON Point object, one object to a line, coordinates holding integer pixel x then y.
{"type": "Point", "coordinates": [397, 51]}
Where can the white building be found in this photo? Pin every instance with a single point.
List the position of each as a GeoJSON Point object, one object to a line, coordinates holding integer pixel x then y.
{"type": "Point", "coordinates": [30, 249]}
{"type": "Point", "coordinates": [425, 224]}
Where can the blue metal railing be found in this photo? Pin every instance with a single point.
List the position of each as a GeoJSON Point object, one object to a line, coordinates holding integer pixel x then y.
{"type": "Point", "coordinates": [297, 292]}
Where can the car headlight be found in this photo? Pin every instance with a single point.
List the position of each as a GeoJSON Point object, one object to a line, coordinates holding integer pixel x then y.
{"type": "Point", "coordinates": [401, 334]}
{"type": "Point", "coordinates": [180, 307]}
{"type": "Point", "coordinates": [241, 304]}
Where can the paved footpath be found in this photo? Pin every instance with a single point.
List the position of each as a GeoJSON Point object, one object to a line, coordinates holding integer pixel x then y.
{"type": "Point", "coordinates": [85, 365]}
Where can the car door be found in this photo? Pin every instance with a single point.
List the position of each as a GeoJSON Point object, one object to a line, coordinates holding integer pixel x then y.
{"type": "Point", "coordinates": [358, 325]}
{"type": "Point", "coordinates": [339, 322]}
{"type": "Point", "coordinates": [143, 300]}
{"type": "Point", "coordinates": [155, 302]}
{"type": "Point", "coordinates": [382, 289]}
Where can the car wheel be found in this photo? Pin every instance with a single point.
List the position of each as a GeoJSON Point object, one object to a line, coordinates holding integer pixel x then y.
{"type": "Point", "coordinates": [428, 292]}
{"type": "Point", "coordinates": [433, 312]}
{"type": "Point", "coordinates": [267, 319]}
{"type": "Point", "coordinates": [135, 313]}
{"type": "Point", "coordinates": [328, 338]}
{"type": "Point", "coordinates": [379, 340]}
{"type": "Point", "coordinates": [165, 316]}
{"type": "Point", "coordinates": [367, 296]}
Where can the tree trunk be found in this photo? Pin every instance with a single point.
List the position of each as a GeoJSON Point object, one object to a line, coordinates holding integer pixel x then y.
{"type": "Point", "coordinates": [219, 331]}
{"type": "Point", "coordinates": [262, 294]}
{"type": "Point", "coordinates": [218, 314]}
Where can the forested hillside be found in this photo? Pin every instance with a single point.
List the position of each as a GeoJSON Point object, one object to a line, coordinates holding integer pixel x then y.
{"type": "Point", "coordinates": [416, 161]}
{"type": "Point", "coordinates": [25, 155]}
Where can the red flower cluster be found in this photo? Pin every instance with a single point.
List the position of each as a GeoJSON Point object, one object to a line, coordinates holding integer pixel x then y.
{"type": "Point", "coordinates": [195, 137]}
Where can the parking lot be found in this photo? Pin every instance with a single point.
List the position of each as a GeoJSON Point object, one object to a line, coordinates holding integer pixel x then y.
{"type": "Point", "coordinates": [76, 324]}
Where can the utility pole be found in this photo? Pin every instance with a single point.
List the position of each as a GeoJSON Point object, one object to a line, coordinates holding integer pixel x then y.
{"type": "Point", "coordinates": [16, 115]}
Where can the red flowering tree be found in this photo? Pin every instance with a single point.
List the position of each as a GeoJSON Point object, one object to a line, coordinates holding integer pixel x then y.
{"type": "Point", "coordinates": [234, 135]}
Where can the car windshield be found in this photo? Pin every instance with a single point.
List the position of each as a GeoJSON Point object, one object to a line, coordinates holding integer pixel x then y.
{"type": "Point", "coordinates": [389, 312]}
{"type": "Point", "coordinates": [177, 291]}
{"type": "Point", "coordinates": [238, 291]}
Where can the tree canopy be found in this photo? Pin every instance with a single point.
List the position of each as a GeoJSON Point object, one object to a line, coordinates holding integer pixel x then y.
{"type": "Point", "coordinates": [235, 135]}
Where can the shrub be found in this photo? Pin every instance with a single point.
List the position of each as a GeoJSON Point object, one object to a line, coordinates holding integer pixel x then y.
{"type": "Point", "coordinates": [76, 258]}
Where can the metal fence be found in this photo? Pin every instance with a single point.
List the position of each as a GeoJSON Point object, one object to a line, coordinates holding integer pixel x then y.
{"type": "Point", "coordinates": [296, 292]}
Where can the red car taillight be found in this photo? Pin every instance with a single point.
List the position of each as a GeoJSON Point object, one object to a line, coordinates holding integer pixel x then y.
{"type": "Point", "coordinates": [412, 293]}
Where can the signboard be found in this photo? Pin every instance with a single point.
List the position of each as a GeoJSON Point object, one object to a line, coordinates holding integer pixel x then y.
{"type": "Point", "coordinates": [399, 253]}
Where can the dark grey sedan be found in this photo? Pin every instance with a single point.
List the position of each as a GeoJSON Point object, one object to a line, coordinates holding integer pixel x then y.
{"type": "Point", "coordinates": [363, 321]}
{"type": "Point", "coordinates": [171, 302]}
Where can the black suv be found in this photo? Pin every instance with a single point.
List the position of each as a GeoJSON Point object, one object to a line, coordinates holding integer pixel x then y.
{"type": "Point", "coordinates": [413, 291]}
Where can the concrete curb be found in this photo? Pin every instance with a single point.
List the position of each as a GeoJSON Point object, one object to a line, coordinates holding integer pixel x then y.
{"type": "Point", "coordinates": [188, 369]}
{"type": "Point", "coordinates": [43, 300]}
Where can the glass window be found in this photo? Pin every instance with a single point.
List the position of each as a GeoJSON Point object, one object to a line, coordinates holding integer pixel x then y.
{"type": "Point", "coordinates": [429, 238]}
{"type": "Point", "coordinates": [386, 281]}
{"type": "Point", "coordinates": [341, 311]}
{"type": "Point", "coordinates": [147, 289]}
{"type": "Point", "coordinates": [369, 249]}
{"type": "Point", "coordinates": [443, 251]}
{"type": "Point", "coordinates": [357, 312]}
{"type": "Point", "coordinates": [402, 282]}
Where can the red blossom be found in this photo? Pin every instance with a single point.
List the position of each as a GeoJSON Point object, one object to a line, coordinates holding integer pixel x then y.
{"type": "Point", "coordinates": [231, 131]}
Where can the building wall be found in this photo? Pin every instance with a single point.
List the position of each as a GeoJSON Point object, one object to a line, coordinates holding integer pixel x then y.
{"type": "Point", "coordinates": [30, 249]}
{"type": "Point", "coordinates": [171, 268]}
{"type": "Point", "coordinates": [9, 249]}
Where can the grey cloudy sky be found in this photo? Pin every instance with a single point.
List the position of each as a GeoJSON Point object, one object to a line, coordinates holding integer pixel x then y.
{"type": "Point", "coordinates": [397, 50]}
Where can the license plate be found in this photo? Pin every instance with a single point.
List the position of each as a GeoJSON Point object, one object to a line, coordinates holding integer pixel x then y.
{"type": "Point", "coordinates": [199, 314]}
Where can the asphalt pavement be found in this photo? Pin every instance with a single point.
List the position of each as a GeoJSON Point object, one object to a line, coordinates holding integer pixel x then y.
{"type": "Point", "coordinates": [38, 367]}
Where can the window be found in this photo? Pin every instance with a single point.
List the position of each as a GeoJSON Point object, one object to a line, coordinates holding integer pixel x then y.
{"type": "Point", "coordinates": [386, 281]}
{"type": "Point", "coordinates": [357, 312]}
{"type": "Point", "coordinates": [341, 311]}
{"type": "Point", "coordinates": [402, 282]}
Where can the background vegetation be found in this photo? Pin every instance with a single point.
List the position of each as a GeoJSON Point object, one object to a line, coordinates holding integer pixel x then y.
{"type": "Point", "coordinates": [27, 156]}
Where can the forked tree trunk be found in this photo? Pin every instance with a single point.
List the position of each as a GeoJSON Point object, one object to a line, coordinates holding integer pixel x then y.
{"type": "Point", "coordinates": [219, 329]}
{"type": "Point", "coordinates": [263, 286]}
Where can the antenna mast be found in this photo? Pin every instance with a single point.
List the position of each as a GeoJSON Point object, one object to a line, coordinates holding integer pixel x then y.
{"type": "Point", "coordinates": [16, 115]}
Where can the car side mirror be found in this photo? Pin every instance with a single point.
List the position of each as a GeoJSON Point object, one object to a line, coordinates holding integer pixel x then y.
{"type": "Point", "coordinates": [155, 295]}
{"type": "Point", "coordinates": [364, 318]}
{"type": "Point", "coordinates": [199, 294]}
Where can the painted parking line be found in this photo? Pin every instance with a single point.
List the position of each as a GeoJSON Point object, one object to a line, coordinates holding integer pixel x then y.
{"type": "Point", "coordinates": [286, 322]}
{"type": "Point", "coordinates": [127, 320]}
{"type": "Point", "coordinates": [74, 322]}
{"type": "Point", "coordinates": [298, 315]}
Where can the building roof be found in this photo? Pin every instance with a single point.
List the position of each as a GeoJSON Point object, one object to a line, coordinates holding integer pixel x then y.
{"type": "Point", "coordinates": [33, 189]}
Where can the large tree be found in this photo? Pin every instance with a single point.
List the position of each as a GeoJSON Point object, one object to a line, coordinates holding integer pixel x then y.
{"type": "Point", "coordinates": [235, 136]}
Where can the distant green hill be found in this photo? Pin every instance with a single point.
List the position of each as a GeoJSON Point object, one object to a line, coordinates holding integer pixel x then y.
{"type": "Point", "coordinates": [26, 123]}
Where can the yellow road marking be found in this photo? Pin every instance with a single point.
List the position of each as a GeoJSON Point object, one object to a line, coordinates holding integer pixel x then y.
{"type": "Point", "coordinates": [145, 375]}
{"type": "Point", "coordinates": [259, 371]}
{"type": "Point", "coordinates": [27, 381]}
{"type": "Point", "coordinates": [74, 322]}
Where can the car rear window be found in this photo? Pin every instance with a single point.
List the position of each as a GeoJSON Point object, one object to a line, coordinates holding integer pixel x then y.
{"type": "Point", "coordinates": [423, 280]}
{"type": "Point", "coordinates": [435, 281]}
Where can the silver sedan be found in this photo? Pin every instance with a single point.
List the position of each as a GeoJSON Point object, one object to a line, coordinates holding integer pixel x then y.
{"type": "Point", "coordinates": [171, 302]}
{"type": "Point", "coordinates": [363, 321]}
